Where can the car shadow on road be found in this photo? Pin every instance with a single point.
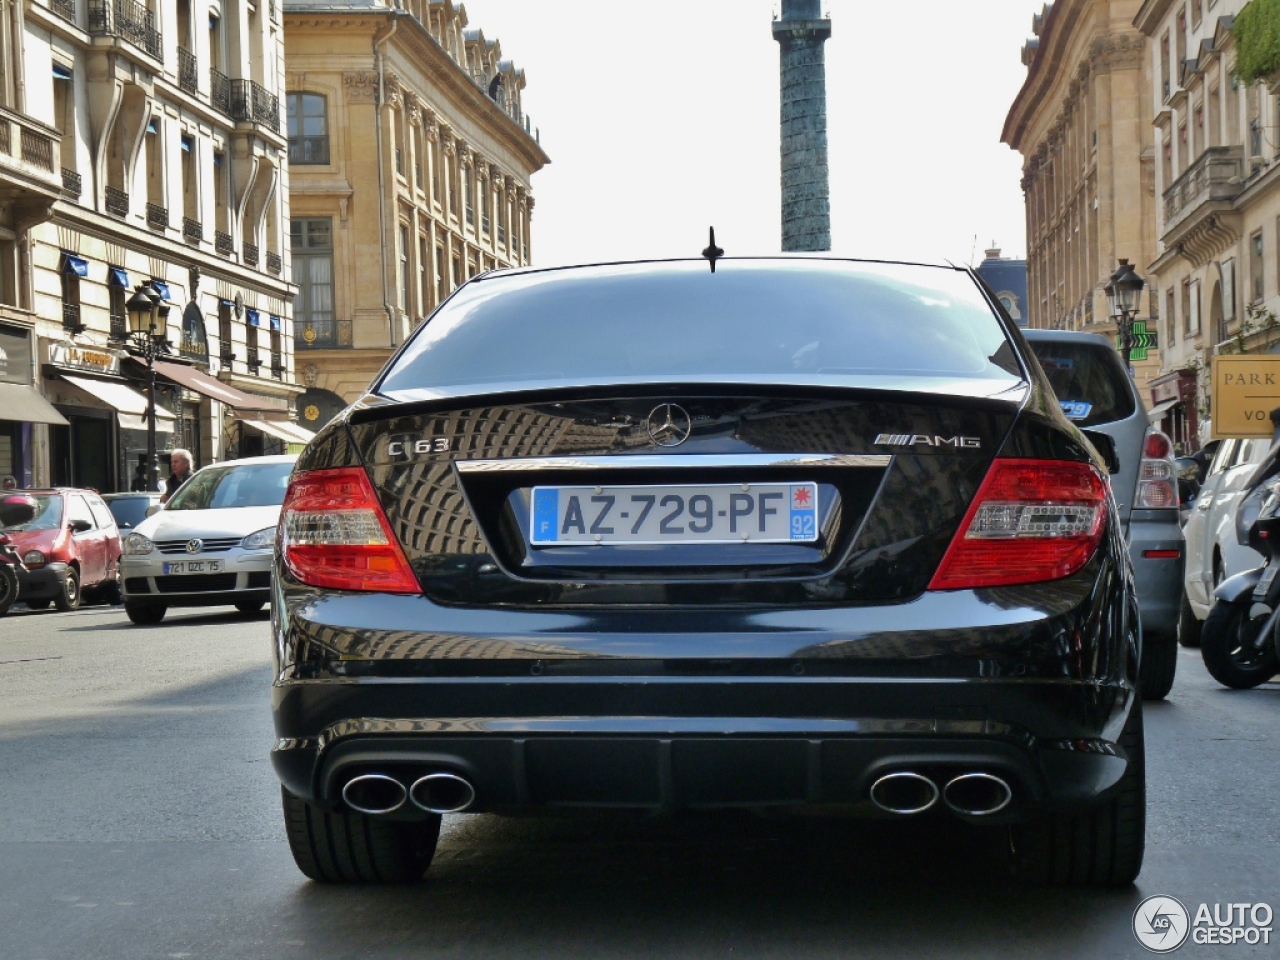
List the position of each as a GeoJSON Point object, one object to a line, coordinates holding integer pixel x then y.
{"type": "Point", "coordinates": [178, 618]}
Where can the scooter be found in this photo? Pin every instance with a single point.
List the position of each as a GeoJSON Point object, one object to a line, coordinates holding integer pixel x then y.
{"type": "Point", "coordinates": [15, 510]}
{"type": "Point", "coordinates": [1238, 639]}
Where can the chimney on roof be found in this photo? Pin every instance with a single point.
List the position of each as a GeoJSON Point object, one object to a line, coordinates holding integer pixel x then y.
{"type": "Point", "coordinates": [993, 252]}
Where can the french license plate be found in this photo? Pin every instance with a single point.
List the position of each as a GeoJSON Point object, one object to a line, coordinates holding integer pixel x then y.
{"type": "Point", "coordinates": [688, 513]}
{"type": "Point", "coordinates": [192, 566]}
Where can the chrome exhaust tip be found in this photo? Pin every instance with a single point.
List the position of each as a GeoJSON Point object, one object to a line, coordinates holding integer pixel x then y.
{"type": "Point", "coordinates": [374, 794]}
{"type": "Point", "coordinates": [442, 793]}
{"type": "Point", "coordinates": [977, 794]}
{"type": "Point", "coordinates": [904, 793]}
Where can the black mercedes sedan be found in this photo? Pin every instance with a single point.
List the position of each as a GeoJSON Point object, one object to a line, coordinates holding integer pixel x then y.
{"type": "Point", "coordinates": [784, 533]}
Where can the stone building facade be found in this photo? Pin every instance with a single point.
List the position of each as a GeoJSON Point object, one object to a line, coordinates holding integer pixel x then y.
{"type": "Point", "coordinates": [158, 156]}
{"type": "Point", "coordinates": [410, 160]}
{"type": "Point", "coordinates": [1216, 269]}
{"type": "Point", "coordinates": [1082, 122]}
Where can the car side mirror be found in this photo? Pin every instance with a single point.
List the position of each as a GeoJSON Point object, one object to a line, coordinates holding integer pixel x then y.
{"type": "Point", "coordinates": [154, 509]}
{"type": "Point", "coordinates": [1106, 447]}
{"type": "Point", "coordinates": [81, 526]}
{"type": "Point", "coordinates": [1188, 469]}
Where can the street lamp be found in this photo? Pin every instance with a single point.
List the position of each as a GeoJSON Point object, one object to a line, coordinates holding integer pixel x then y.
{"type": "Point", "coordinates": [1123, 294]}
{"type": "Point", "coordinates": [148, 326]}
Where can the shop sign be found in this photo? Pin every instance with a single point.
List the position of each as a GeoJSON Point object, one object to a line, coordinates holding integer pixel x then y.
{"type": "Point", "coordinates": [15, 355]}
{"type": "Point", "coordinates": [195, 345]}
{"type": "Point", "coordinates": [90, 359]}
{"type": "Point", "coordinates": [1245, 391]}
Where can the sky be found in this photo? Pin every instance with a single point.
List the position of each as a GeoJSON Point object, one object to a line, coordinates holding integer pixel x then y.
{"type": "Point", "coordinates": [662, 119]}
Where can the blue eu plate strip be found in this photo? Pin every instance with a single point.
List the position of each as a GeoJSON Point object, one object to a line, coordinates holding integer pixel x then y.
{"type": "Point", "coordinates": [546, 514]}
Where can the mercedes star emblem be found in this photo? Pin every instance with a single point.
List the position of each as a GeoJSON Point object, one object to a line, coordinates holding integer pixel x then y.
{"type": "Point", "coordinates": [669, 425]}
{"type": "Point", "coordinates": [195, 546]}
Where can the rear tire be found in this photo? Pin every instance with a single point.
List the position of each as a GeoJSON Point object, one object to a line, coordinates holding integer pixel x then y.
{"type": "Point", "coordinates": [1101, 847]}
{"type": "Point", "coordinates": [1159, 666]}
{"type": "Point", "coordinates": [68, 597]}
{"type": "Point", "coordinates": [350, 847]}
{"type": "Point", "coordinates": [8, 588]}
{"type": "Point", "coordinates": [1188, 625]}
{"type": "Point", "coordinates": [1224, 643]}
{"type": "Point", "coordinates": [145, 614]}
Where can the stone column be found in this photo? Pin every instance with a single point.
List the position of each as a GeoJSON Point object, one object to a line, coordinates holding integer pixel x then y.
{"type": "Point", "coordinates": [806, 194]}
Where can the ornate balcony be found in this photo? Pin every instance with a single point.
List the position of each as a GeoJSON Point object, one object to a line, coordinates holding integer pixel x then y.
{"type": "Point", "coordinates": [323, 335]}
{"type": "Point", "coordinates": [66, 9]}
{"type": "Point", "coordinates": [1211, 183]}
{"type": "Point", "coordinates": [72, 183]}
{"type": "Point", "coordinates": [251, 254]}
{"type": "Point", "coordinates": [251, 102]}
{"type": "Point", "coordinates": [71, 318]}
{"type": "Point", "coordinates": [188, 71]}
{"type": "Point", "coordinates": [192, 230]}
{"type": "Point", "coordinates": [220, 91]}
{"type": "Point", "coordinates": [128, 20]}
{"type": "Point", "coordinates": [117, 202]}
{"type": "Point", "coordinates": [157, 216]}
{"type": "Point", "coordinates": [223, 243]}
{"type": "Point", "coordinates": [274, 263]}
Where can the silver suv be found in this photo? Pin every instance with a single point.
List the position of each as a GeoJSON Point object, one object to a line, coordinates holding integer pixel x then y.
{"type": "Point", "coordinates": [1099, 397]}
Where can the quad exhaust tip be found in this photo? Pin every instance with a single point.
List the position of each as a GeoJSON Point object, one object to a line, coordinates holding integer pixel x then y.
{"type": "Point", "coordinates": [374, 794]}
{"type": "Point", "coordinates": [977, 794]}
{"type": "Point", "coordinates": [904, 793]}
{"type": "Point", "coordinates": [442, 793]}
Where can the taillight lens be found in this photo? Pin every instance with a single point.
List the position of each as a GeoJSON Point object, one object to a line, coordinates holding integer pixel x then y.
{"type": "Point", "coordinates": [1157, 475]}
{"type": "Point", "coordinates": [334, 534]}
{"type": "Point", "coordinates": [1031, 520]}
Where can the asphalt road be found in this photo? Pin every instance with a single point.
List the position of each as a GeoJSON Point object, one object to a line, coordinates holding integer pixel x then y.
{"type": "Point", "coordinates": [139, 818]}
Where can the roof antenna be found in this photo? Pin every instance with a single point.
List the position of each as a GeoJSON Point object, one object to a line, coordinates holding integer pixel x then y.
{"type": "Point", "coordinates": [712, 252]}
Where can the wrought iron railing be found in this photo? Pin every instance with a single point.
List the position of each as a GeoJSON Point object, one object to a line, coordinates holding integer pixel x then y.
{"type": "Point", "coordinates": [6, 143]}
{"type": "Point", "coordinates": [129, 20]}
{"type": "Point", "coordinates": [119, 328]}
{"type": "Point", "coordinates": [277, 366]}
{"type": "Point", "coordinates": [72, 183]}
{"type": "Point", "coordinates": [188, 71]}
{"type": "Point", "coordinates": [251, 358]}
{"type": "Point", "coordinates": [220, 91]}
{"type": "Point", "coordinates": [322, 334]}
{"type": "Point", "coordinates": [66, 9]}
{"type": "Point", "coordinates": [192, 230]}
{"type": "Point", "coordinates": [223, 243]}
{"type": "Point", "coordinates": [71, 317]}
{"type": "Point", "coordinates": [274, 263]}
{"type": "Point", "coordinates": [37, 149]}
{"type": "Point", "coordinates": [251, 101]}
{"type": "Point", "coordinates": [157, 216]}
{"type": "Point", "coordinates": [117, 201]}
{"type": "Point", "coordinates": [251, 254]}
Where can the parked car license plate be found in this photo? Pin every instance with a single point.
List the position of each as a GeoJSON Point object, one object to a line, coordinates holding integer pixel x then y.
{"type": "Point", "coordinates": [192, 566]}
{"type": "Point", "coordinates": [687, 513]}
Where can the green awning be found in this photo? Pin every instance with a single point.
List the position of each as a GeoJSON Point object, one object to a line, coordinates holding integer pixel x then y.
{"type": "Point", "coordinates": [24, 404]}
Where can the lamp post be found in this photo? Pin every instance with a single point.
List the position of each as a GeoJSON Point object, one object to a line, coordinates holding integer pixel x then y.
{"type": "Point", "coordinates": [1123, 294]}
{"type": "Point", "coordinates": [148, 327]}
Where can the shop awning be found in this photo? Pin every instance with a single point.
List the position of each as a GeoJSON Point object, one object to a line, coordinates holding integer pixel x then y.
{"type": "Point", "coordinates": [73, 264]}
{"type": "Point", "coordinates": [123, 398]}
{"type": "Point", "coordinates": [281, 430]}
{"type": "Point", "coordinates": [1156, 413]}
{"type": "Point", "coordinates": [214, 388]}
{"type": "Point", "coordinates": [23, 404]}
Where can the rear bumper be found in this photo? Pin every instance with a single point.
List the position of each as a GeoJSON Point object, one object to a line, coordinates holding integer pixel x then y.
{"type": "Point", "coordinates": [671, 707]}
{"type": "Point", "coordinates": [42, 583]}
{"type": "Point", "coordinates": [1157, 580]}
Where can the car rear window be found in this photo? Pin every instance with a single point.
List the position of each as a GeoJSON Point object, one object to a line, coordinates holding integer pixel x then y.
{"type": "Point", "coordinates": [129, 511]}
{"type": "Point", "coordinates": [751, 321]}
{"type": "Point", "coordinates": [1089, 379]}
{"type": "Point", "coordinates": [48, 516]}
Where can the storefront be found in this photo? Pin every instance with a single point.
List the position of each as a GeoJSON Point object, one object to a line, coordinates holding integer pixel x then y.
{"type": "Point", "coordinates": [1173, 409]}
{"type": "Point", "coordinates": [105, 437]}
{"type": "Point", "coordinates": [21, 407]}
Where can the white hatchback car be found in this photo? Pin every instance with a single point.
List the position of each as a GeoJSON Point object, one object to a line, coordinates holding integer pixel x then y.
{"type": "Point", "coordinates": [1216, 549]}
{"type": "Point", "coordinates": [211, 544]}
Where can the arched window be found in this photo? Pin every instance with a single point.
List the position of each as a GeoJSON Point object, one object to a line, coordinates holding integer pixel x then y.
{"type": "Point", "coordinates": [308, 128]}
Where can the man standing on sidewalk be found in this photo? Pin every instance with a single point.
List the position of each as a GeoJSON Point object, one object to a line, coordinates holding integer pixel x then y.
{"type": "Point", "coordinates": [180, 464]}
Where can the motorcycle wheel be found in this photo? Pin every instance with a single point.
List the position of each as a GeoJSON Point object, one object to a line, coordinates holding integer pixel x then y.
{"type": "Point", "coordinates": [8, 588]}
{"type": "Point", "coordinates": [1227, 646]}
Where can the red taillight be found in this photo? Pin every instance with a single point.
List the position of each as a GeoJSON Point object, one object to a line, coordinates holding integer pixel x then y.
{"type": "Point", "coordinates": [1031, 520]}
{"type": "Point", "coordinates": [334, 534]}
{"type": "Point", "coordinates": [1157, 446]}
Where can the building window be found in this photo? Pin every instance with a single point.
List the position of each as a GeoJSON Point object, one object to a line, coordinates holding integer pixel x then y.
{"type": "Point", "coordinates": [71, 300]}
{"type": "Point", "coordinates": [442, 282]}
{"type": "Point", "coordinates": [224, 332]}
{"type": "Point", "coordinates": [424, 282]}
{"type": "Point", "coordinates": [404, 267]}
{"type": "Point", "coordinates": [190, 205]}
{"type": "Point", "coordinates": [308, 128]}
{"type": "Point", "coordinates": [311, 242]}
{"type": "Point", "coordinates": [1171, 323]}
{"type": "Point", "coordinates": [1255, 266]}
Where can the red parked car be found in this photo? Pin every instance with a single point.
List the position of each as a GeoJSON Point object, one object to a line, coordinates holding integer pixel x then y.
{"type": "Point", "coordinates": [70, 547]}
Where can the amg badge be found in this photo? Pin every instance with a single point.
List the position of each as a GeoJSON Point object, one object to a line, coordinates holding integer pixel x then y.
{"type": "Point", "coordinates": [920, 439]}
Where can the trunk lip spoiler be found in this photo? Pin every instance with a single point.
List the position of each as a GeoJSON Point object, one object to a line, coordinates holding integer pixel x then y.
{"type": "Point", "coordinates": [643, 461]}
